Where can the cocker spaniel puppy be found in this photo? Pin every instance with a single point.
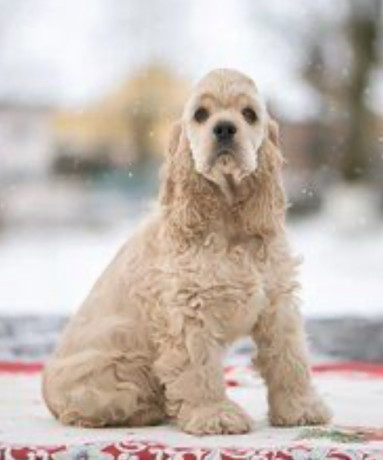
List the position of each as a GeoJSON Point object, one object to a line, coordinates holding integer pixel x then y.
{"type": "Point", "coordinates": [212, 265]}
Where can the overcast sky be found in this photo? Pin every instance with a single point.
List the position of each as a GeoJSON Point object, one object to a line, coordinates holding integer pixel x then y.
{"type": "Point", "coordinates": [69, 52]}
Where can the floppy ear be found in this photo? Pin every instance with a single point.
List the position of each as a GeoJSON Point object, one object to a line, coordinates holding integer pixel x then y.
{"type": "Point", "coordinates": [266, 210]}
{"type": "Point", "coordinates": [177, 161]}
{"type": "Point", "coordinates": [174, 139]}
{"type": "Point", "coordinates": [187, 198]}
{"type": "Point", "coordinates": [273, 138]}
{"type": "Point", "coordinates": [167, 183]}
{"type": "Point", "coordinates": [273, 132]}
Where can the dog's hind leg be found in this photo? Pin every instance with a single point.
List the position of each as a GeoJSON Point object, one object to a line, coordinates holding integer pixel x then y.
{"type": "Point", "coordinates": [114, 392]}
{"type": "Point", "coordinates": [90, 407]}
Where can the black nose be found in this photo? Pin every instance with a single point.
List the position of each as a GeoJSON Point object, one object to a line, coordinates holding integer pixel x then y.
{"type": "Point", "coordinates": [224, 131]}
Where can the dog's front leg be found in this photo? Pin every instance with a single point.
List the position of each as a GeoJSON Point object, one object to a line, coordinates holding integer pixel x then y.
{"type": "Point", "coordinates": [189, 367]}
{"type": "Point", "coordinates": [283, 362]}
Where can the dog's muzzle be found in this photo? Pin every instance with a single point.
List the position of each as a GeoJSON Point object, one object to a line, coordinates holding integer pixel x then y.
{"type": "Point", "coordinates": [225, 146]}
{"type": "Point", "coordinates": [224, 132]}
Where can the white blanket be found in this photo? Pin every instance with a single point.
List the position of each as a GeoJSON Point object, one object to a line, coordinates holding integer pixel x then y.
{"type": "Point", "coordinates": [356, 400]}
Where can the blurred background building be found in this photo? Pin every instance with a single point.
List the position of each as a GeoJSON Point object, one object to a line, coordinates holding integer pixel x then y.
{"type": "Point", "coordinates": [88, 91]}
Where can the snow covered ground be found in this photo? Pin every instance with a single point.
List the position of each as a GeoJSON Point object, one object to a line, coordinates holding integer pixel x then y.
{"type": "Point", "coordinates": [341, 274]}
{"type": "Point", "coordinates": [50, 272]}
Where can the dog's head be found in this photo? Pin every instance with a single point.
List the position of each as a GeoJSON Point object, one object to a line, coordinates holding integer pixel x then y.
{"type": "Point", "coordinates": [225, 122]}
{"type": "Point", "coordinates": [229, 139]}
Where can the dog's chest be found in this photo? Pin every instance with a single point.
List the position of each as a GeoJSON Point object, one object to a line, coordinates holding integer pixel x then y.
{"type": "Point", "coordinates": [224, 290]}
{"type": "Point", "coordinates": [236, 318]}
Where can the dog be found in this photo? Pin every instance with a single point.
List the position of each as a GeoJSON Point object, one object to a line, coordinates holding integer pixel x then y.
{"type": "Point", "coordinates": [212, 264]}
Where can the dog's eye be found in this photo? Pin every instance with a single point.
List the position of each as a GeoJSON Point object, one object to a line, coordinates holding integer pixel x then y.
{"type": "Point", "coordinates": [249, 115]}
{"type": "Point", "coordinates": [201, 115]}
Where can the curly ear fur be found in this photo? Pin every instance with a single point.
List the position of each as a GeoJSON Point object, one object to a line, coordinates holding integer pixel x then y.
{"type": "Point", "coordinates": [192, 204]}
{"type": "Point", "coordinates": [273, 132]}
{"type": "Point", "coordinates": [175, 137]}
{"type": "Point", "coordinates": [167, 189]}
{"type": "Point", "coordinates": [264, 211]}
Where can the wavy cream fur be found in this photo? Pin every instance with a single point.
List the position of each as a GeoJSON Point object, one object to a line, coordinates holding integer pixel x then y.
{"type": "Point", "coordinates": [147, 342]}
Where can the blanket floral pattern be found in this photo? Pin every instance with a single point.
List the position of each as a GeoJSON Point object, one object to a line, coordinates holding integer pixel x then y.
{"type": "Point", "coordinates": [148, 451]}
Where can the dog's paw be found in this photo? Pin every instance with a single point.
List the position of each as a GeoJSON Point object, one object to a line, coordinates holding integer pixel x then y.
{"type": "Point", "coordinates": [307, 409]}
{"type": "Point", "coordinates": [225, 417]}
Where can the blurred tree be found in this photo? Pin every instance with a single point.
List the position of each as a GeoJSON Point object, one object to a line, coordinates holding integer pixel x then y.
{"type": "Point", "coordinates": [362, 29]}
{"type": "Point", "coordinates": [340, 67]}
{"type": "Point", "coordinates": [126, 128]}
{"type": "Point", "coordinates": [152, 97]}
{"type": "Point", "coordinates": [336, 46]}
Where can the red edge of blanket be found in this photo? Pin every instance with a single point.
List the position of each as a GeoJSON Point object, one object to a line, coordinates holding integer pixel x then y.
{"type": "Point", "coordinates": [372, 369]}
{"type": "Point", "coordinates": [147, 450]}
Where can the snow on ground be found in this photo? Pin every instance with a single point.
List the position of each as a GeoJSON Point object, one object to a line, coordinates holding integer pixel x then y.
{"type": "Point", "coordinates": [51, 272]}
{"type": "Point", "coordinates": [341, 274]}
